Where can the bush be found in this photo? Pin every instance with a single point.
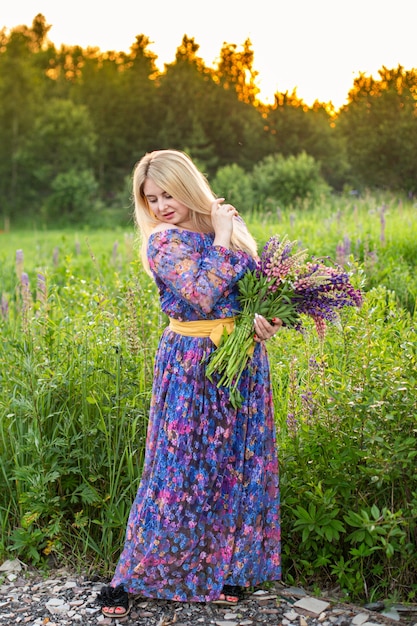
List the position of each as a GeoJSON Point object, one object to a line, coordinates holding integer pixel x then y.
{"type": "Point", "coordinates": [73, 196]}
{"type": "Point", "coordinates": [293, 182]}
{"type": "Point", "coordinates": [232, 182]}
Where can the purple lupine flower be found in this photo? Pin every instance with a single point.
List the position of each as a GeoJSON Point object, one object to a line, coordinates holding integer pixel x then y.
{"type": "Point", "coordinates": [323, 290]}
{"type": "Point", "coordinates": [340, 254]}
{"type": "Point", "coordinates": [24, 279]}
{"type": "Point", "coordinates": [19, 263]}
{"type": "Point", "coordinates": [278, 261]}
{"type": "Point", "coordinates": [319, 290]}
{"type": "Point", "coordinates": [309, 405]}
{"type": "Point", "coordinates": [383, 222]}
{"type": "Point", "coordinates": [346, 245]}
{"type": "Point", "coordinates": [292, 424]}
{"type": "Point", "coordinates": [313, 364]}
{"type": "Point", "coordinates": [41, 294]}
{"type": "Point", "coordinates": [26, 299]}
{"type": "Point", "coordinates": [343, 251]}
{"type": "Point", "coordinates": [4, 306]}
{"type": "Point", "coordinates": [281, 286]}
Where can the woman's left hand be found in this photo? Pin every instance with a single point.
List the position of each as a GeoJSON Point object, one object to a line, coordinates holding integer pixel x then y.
{"type": "Point", "coordinates": [263, 329]}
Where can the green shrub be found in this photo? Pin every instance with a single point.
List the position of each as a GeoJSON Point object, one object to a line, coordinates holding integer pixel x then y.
{"type": "Point", "coordinates": [232, 182]}
{"type": "Point", "coordinates": [292, 182]}
{"type": "Point", "coordinates": [73, 197]}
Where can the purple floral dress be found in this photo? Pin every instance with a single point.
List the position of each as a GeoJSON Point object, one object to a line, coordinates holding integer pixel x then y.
{"type": "Point", "coordinates": [207, 508]}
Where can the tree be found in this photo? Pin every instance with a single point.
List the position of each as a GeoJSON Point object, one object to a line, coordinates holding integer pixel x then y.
{"type": "Point", "coordinates": [22, 89]}
{"type": "Point", "coordinates": [120, 93]}
{"type": "Point", "coordinates": [183, 91]}
{"type": "Point", "coordinates": [294, 127]}
{"type": "Point", "coordinates": [98, 86]}
{"type": "Point", "coordinates": [202, 112]}
{"type": "Point", "coordinates": [62, 140]}
{"type": "Point", "coordinates": [379, 126]}
{"type": "Point", "coordinates": [140, 106]}
{"type": "Point", "coordinates": [235, 71]}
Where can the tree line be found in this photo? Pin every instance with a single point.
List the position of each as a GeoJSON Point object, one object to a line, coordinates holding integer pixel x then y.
{"type": "Point", "coordinates": [74, 121]}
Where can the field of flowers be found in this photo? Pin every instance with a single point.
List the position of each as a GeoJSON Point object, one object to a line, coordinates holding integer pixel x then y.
{"type": "Point", "coordinates": [79, 325]}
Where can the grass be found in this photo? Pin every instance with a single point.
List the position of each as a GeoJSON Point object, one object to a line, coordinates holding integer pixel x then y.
{"type": "Point", "coordinates": [76, 359]}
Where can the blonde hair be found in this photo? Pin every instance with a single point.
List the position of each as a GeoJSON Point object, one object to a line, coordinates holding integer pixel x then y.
{"type": "Point", "coordinates": [175, 173]}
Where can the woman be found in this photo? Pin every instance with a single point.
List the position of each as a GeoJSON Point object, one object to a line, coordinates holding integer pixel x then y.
{"type": "Point", "coordinates": [205, 521]}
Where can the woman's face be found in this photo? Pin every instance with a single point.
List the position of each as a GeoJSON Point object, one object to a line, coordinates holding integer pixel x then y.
{"type": "Point", "coordinates": [165, 208]}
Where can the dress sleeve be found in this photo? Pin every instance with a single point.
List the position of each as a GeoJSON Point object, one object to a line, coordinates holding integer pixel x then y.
{"type": "Point", "coordinates": [200, 276]}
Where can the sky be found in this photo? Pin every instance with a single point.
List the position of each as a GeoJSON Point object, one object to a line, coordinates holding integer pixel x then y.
{"type": "Point", "coordinates": [317, 47]}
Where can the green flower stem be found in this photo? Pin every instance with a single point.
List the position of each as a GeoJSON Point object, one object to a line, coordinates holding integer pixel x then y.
{"type": "Point", "coordinates": [233, 354]}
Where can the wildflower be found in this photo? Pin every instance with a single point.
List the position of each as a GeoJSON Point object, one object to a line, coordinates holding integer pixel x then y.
{"type": "Point", "coordinates": [292, 424]}
{"type": "Point", "coordinates": [19, 263]}
{"type": "Point", "coordinates": [382, 222]}
{"type": "Point", "coordinates": [41, 289]}
{"type": "Point", "coordinates": [284, 285]}
{"type": "Point", "coordinates": [308, 404]}
{"type": "Point", "coordinates": [343, 251]}
{"type": "Point", "coordinates": [4, 306]}
{"type": "Point", "coordinates": [41, 295]}
{"type": "Point", "coordinates": [26, 299]}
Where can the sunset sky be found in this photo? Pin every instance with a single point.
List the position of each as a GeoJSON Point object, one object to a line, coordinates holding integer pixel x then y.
{"type": "Point", "coordinates": [315, 46]}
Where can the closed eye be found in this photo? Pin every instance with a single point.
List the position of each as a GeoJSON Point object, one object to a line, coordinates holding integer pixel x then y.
{"type": "Point", "coordinates": [152, 199]}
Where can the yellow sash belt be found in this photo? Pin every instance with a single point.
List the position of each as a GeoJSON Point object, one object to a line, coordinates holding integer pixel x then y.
{"type": "Point", "coordinates": [203, 328]}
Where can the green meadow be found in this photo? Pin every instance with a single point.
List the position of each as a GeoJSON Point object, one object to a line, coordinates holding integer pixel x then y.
{"type": "Point", "coordinates": [80, 322]}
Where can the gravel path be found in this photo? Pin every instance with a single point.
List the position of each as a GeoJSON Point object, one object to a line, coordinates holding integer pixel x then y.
{"type": "Point", "coordinates": [66, 599]}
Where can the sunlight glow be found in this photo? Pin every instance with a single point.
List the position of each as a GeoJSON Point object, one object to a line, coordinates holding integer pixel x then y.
{"type": "Point", "coordinates": [308, 46]}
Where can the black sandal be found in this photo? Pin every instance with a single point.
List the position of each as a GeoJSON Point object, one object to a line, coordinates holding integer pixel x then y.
{"type": "Point", "coordinates": [230, 595]}
{"type": "Point", "coordinates": [114, 601]}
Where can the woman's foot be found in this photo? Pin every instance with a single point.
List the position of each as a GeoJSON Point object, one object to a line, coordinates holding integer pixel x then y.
{"type": "Point", "coordinates": [114, 601]}
{"type": "Point", "coordinates": [230, 595]}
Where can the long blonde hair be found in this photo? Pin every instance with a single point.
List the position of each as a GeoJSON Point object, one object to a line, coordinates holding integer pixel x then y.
{"type": "Point", "coordinates": [175, 173]}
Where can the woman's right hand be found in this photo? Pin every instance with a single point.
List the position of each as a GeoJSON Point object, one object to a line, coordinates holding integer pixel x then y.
{"type": "Point", "coordinates": [222, 219]}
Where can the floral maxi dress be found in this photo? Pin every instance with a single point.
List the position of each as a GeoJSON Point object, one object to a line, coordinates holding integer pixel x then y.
{"type": "Point", "coordinates": [207, 508]}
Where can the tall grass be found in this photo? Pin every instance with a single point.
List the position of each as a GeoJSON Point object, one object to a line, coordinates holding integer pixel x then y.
{"type": "Point", "coordinates": [79, 324]}
{"type": "Point", "coordinates": [76, 378]}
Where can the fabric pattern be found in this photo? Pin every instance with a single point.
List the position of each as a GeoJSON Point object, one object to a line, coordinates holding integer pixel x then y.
{"type": "Point", "coordinates": [207, 508]}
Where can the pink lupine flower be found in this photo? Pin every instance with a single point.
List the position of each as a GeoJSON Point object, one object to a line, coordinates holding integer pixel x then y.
{"type": "Point", "coordinates": [284, 285]}
{"type": "Point", "coordinates": [19, 263]}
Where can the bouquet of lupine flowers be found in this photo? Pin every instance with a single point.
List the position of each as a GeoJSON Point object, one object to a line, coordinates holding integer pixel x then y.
{"type": "Point", "coordinates": [284, 285]}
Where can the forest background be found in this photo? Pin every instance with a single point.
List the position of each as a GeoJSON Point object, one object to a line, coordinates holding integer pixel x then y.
{"type": "Point", "coordinates": [80, 320]}
{"type": "Point", "coordinates": [73, 122]}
